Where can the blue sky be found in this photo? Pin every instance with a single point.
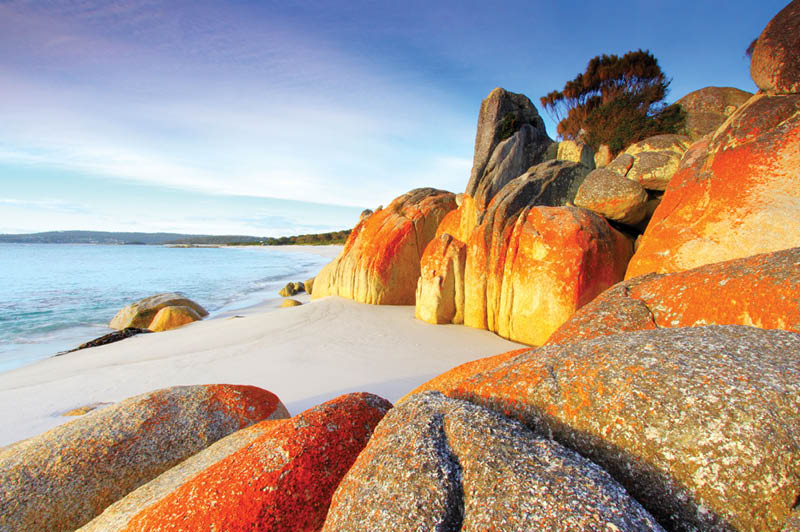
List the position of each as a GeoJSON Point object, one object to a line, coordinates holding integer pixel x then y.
{"type": "Point", "coordinates": [199, 117]}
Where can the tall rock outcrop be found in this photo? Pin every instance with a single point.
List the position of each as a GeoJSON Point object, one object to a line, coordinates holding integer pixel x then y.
{"type": "Point", "coordinates": [530, 268]}
{"type": "Point", "coordinates": [502, 115]}
{"type": "Point", "coordinates": [699, 424]}
{"type": "Point", "coordinates": [775, 64]}
{"type": "Point", "coordinates": [380, 262]}
{"type": "Point", "coordinates": [707, 108]}
{"type": "Point", "coordinates": [441, 464]}
{"type": "Point", "coordinates": [440, 289]}
{"type": "Point", "coordinates": [61, 479]}
{"type": "Point", "coordinates": [734, 195]}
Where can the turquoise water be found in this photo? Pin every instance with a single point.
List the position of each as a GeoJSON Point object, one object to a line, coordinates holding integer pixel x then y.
{"type": "Point", "coordinates": [54, 297]}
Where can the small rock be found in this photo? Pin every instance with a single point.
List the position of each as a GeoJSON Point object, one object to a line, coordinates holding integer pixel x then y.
{"type": "Point", "coordinates": [290, 303]}
{"type": "Point", "coordinates": [173, 317]}
{"type": "Point", "coordinates": [141, 313]}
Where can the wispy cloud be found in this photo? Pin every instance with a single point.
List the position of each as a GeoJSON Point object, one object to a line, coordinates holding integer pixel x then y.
{"type": "Point", "coordinates": [207, 99]}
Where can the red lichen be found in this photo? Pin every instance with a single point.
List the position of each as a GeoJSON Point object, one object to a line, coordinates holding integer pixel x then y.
{"type": "Point", "coordinates": [283, 481]}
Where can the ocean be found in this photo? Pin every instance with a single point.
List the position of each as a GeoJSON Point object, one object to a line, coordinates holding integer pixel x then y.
{"type": "Point", "coordinates": [53, 297]}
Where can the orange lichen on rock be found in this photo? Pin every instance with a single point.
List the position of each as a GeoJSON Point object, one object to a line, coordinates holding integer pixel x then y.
{"type": "Point", "coordinates": [173, 317]}
{"type": "Point", "coordinates": [775, 64]}
{"type": "Point", "coordinates": [61, 479]}
{"type": "Point", "coordinates": [699, 424]}
{"type": "Point", "coordinates": [762, 291]}
{"type": "Point", "coordinates": [380, 262]}
{"type": "Point", "coordinates": [450, 379]}
{"type": "Point", "coordinates": [527, 274]}
{"type": "Point", "coordinates": [282, 481]}
{"type": "Point", "coordinates": [735, 195]}
{"type": "Point", "coordinates": [440, 289]}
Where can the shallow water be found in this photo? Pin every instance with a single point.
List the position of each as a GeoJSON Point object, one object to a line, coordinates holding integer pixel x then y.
{"type": "Point", "coordinates": [54, 297]}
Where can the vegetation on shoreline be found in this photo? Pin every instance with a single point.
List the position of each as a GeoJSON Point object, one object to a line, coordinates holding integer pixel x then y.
{"type": "Point", "coordinates": [104, 237]}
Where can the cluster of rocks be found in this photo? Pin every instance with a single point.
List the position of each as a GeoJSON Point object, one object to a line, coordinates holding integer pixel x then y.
{"type": "Point", "coordinates": [669, 401]}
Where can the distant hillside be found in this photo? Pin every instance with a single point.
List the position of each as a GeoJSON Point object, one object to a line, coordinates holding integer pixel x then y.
{"type": "Point", "coordinates": [103, 237]}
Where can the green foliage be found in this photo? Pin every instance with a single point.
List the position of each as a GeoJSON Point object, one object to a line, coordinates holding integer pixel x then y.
{"type": "Point", "coordinates": [508, 126]}
{"type": "Point", "coordinates": [621, 123]}
{"type": "Point", "coordinates": [616, 101]}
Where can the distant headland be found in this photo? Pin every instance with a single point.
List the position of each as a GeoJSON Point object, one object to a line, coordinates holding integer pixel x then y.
{"type": "Point", "coordinates": [151, 239]}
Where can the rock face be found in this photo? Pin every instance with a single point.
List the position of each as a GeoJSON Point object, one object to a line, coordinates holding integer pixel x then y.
{"type": "Point", "coordinates": [613, 196]}
{"type": "Point", "coordinates": [699, 424]}
{"type": "Point", "coordinates": [283, 480]}
{"type": "Point", "coordinates": [380, 262]}
{"type": "Point", "coordinates": [577, 152]}
{"type": "Point", "coordinates": [61, 479]}
{"type": "Point", "coordinates": [656, 159]}
{"type": "Point", "coordinates": [309, 285]}
{"type": "Point", "coordinates": [603, 156]}
{"type": "Point", "coordinates": [775, 65]}
{"type": "Point", "coordinates": [118, 515]}
{"type": "Point", "coordinates": [502, 114]}
{"type": "Point", "coordinates": [441, 464]}
{"type": "Point", "coordinates": [440, 289]}
{"type": "Point", "coordinates": [173, 317]}
{"type": "Point", "coordinates": [762, 290]}
{"type": "Point", "coordinates": [706, 109]}
{"type": "Point", "coordinates": [526, 274]}
{"type": "Point", "coordinates": [735, 195]}
{"type": "Point", "coordinates": [141, 313]}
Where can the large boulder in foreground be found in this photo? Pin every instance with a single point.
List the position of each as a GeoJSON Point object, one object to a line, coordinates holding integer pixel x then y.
{"type": "Point", "coordinates": [707, 108]}
{"type": "Point", "coordinates": [762, 290]}
{"type": "Point", "coordinates": [440, 289]}
{"type": "Point", "coordinates": [440, 464]}
{"type": "Point", "coordinates": [118, 516]}
{"type": "Point", "coordinates": [380, 262]}
{"type": "Point", "coordinates": [282, 481]}
{"type": "Point", "coordinates": [527, 273]}
{"type": "Point", "coordinates": [699, 424]}
{"type": "Point", "coordinates": [735, 195]}
{"type": "Point", "coordinates": [141, 313]}
{"type": "Point", "coordinates": [775, 64]}
{"type": "Point", "coordinates": [63, 478]}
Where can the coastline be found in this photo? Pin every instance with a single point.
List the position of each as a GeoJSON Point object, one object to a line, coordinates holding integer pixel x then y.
{"type": "Point", "coordinates": [305, 355]}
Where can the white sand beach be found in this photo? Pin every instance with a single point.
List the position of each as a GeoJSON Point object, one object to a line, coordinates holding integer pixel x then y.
{"type": "Point", "coordinates": [306, 355]}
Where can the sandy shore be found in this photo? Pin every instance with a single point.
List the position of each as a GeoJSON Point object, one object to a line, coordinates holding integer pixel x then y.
{"type": "Point", "coordinates": [304, 354]}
